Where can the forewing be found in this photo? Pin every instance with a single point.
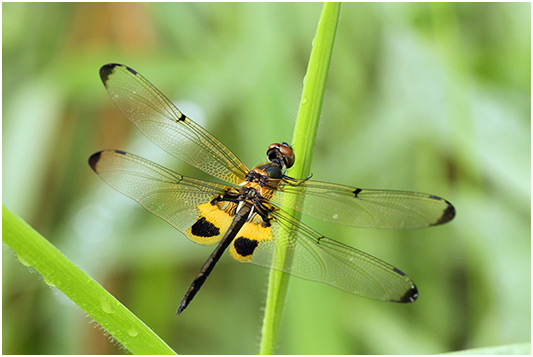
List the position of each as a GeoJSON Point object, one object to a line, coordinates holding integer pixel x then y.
{"type": "Point", "coordinates": [321, 259]}
{"type": "Point", "coordinates": [158, 119]}
{"type": "Point", "coordinates": [367, 208]}
{"type": "Point", "coordinates": [163, 192]}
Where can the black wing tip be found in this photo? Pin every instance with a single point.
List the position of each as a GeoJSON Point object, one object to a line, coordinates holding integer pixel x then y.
{"type": "Point", "coordinates": [410, 295]}
{"type": "Point", "coordinates": [109, 68]}
{"type": "Point", "coordinates": [93, 160]}
{"type": "Point", "coordinates": [447, 215]}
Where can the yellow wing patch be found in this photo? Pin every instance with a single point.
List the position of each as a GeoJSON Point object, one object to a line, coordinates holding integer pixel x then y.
{"type": "Point", "coordinates": [248, 238]}
{"type": "Point", "coordinates": [211, 225]}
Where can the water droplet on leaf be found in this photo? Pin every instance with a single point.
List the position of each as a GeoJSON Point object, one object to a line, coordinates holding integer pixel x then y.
{"type": "Point", "coordinates": [106, 307]}
{"type": "Point", "coordinates": [24, 262]}
{"type": "Point", "coordinates": [132, 332]}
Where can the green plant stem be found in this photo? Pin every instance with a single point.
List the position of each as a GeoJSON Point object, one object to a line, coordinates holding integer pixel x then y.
{"type": "Point", "coordinates": [303, 144]}
{"type": "Point", "coordinates": [35, 251]}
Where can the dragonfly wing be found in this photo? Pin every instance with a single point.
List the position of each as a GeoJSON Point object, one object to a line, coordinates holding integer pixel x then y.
{"type": "Point", "coordinates": [158, 119]}
{"type": "Point", "coordinates": [321, 259]}
{"type": "Point", "coordinates": [367, 208]}
{"type": "Point", "coordinates": [179, 200]}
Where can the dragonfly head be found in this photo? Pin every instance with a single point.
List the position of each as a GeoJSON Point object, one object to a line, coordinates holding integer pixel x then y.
{"type": "Point", "coordinates": [281, 154]}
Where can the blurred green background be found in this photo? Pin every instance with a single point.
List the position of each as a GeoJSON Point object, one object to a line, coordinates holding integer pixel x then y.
{"type": "Point", "coordinates": [425, 97]}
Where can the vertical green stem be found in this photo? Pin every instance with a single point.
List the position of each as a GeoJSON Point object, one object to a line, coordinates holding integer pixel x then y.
{"type": "Point", "coordinates": [303, 143]}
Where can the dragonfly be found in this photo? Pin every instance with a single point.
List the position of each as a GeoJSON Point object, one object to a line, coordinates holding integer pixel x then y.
{"type": "Point", "coordinates": [245, 214]}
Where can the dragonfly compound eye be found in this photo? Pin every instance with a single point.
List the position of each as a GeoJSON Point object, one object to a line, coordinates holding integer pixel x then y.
{"type": "Point", "coordinates": [276, 149]}
{"type": "Point", "coordinates": [288, 154]}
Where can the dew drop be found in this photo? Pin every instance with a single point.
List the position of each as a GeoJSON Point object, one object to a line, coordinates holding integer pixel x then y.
{"type": "Point", "coordinates": [335, 216]}
{"type": "Point", "coordinates": [304, 100]}
{"type": "Point", "coordinates": [106, 307]}
{"type": "Point", "coordinates": [23, 262]}
{"type": "Point", "coordinates": [132, 332]}
{"type": "Point", "coordinates": [48, 282]}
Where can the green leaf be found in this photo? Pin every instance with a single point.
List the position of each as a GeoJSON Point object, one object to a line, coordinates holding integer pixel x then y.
{"type": "Point", "coordinates": [33, 250]}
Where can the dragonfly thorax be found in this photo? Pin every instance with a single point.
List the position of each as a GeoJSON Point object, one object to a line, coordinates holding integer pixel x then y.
{"type": "Point", "coordinates": [252, 195]}
{"type": "Point", "coordinates": [263, 173]}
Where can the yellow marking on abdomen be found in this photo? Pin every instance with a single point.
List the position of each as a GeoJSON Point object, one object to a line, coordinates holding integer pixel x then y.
{"type": "Point", "coordinates": [211, 225]}
{"type": "Point", "coordinates": [248, 238]}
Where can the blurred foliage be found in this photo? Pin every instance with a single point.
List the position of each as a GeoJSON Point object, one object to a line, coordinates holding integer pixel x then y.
{"type": "Point", "coordinates": [425, 97]}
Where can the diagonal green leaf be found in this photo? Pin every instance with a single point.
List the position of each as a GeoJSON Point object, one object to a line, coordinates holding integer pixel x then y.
{"type": "Point", "coordinates": [33, 250]}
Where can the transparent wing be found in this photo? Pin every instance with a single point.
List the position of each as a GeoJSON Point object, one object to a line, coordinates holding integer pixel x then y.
{"type": "Point", "coordinates": [158, 119]}
{"type": "Point", "coordinates": [324, 260]}
{"type": "Point", "coordinates": [367, 208]}
{"type": "Point", "coordinates": [161, 191]}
